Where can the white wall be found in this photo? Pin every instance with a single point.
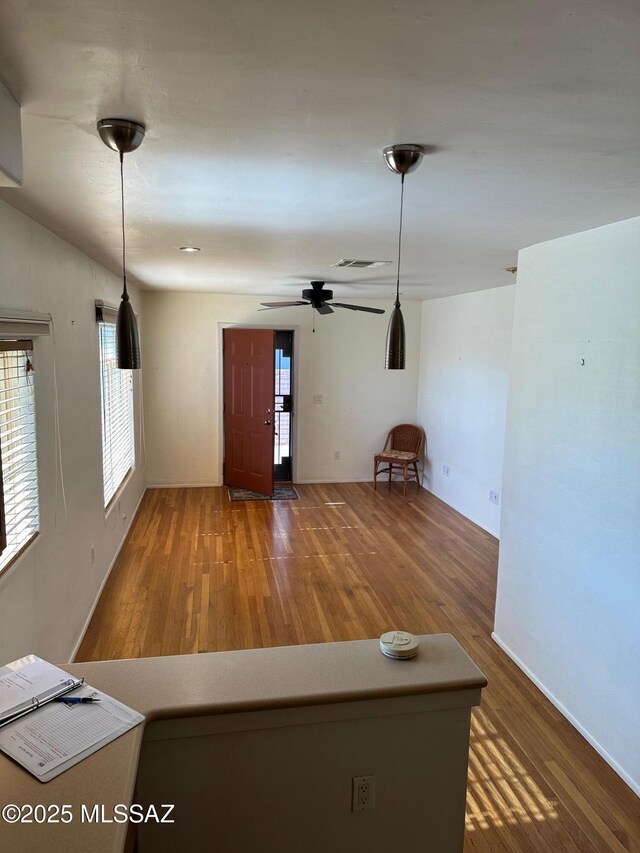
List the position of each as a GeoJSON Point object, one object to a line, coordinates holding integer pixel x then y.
{"type": "Point", "coordinates": [462, 402]}
{"type": "Point", "coordinates": [10, 140]}
{"type": "Point", "coordinates": [568, 606]}
{"type": "Point", "coordinates": [342, 361]}
{"type": "Point", "coordinates": [46, 595]}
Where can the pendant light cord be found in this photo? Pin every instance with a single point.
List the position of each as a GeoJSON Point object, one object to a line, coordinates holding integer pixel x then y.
{"type": "Point", "coordinates": [125, 295]}
{"type": "Point", "coordinates": [397, 304]}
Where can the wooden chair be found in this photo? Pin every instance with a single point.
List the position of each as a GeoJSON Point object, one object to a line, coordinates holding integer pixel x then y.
{"type": "Point", "coordinates": [402, 449]}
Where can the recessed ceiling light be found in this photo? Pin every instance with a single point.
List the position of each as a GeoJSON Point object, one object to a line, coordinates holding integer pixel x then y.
{"type": "Point", "coordinates": [189, 248]}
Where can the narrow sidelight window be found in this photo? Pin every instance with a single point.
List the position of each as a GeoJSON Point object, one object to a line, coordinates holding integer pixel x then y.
{"type": "Point", "coordinates": [118, 444]}
{"type": "Point", "coordinates": [18, 458]}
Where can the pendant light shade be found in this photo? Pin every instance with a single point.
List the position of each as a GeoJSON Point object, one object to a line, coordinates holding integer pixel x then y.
{"type": "Point", "coordinates": [394, 355]}
{"type": "Point", "coordinates": [123, 136]}
{"type": "Point", "coordinates": [401, 159]}
{"type": "Point", "coordinates": [127, 338]}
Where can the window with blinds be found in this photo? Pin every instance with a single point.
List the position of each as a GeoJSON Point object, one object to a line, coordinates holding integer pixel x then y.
{"type": "Point", "coordinates": [118, 444]}
{"type": "Point", "coordinates": [18, 458]}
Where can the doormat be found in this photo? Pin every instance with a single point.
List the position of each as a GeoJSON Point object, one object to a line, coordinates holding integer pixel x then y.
{"type": "Point", "coordinates": [281, 493]}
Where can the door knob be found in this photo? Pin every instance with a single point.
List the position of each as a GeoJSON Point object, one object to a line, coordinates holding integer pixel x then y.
{"type": "Point", "coordinates": [268, 423]}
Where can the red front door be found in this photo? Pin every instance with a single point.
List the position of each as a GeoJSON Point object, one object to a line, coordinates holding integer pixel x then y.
{"type": "Point", "coordinates": [249, 379]}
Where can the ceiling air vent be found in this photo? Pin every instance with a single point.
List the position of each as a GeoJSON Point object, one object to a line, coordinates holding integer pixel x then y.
{"type": "Point", "coordinates": [360, 265]}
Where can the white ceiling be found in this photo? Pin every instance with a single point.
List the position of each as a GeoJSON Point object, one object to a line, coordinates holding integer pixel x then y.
{"type": "Point", "coordinates": [265, 124]}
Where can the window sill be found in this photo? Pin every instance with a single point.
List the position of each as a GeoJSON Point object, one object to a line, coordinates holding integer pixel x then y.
{"type": "Point", "coordinates": [118, 492]}
{"type": "Point", "coordinates": [20, 553]}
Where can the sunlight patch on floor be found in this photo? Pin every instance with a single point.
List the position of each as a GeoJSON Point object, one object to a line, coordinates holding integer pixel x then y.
{"type": "Point", "coordinates": [500, 792]}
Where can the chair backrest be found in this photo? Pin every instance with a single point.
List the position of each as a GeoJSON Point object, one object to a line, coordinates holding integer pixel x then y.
{"type": "Point", "coordinates": [407, 437]}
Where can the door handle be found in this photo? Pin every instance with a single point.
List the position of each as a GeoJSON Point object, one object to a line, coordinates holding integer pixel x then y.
{"type": "Point", "coordinates": [268, 423]}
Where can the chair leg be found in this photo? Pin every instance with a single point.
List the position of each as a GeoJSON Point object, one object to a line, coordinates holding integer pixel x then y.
{"type": "Point", "coordinates": [375, 476]}
{"type": "Point", "coordinates": [405, 468]}
{"type": "Point", "coordinates": [390, 470]}
{"type": "Point", "coordinates": [415, 468]}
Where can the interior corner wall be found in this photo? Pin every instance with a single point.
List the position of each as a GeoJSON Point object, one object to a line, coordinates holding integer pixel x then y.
{"type": "Point", "coordinates": [47, 594]}
{"type": "Point", "coordinates": [462, 400]}
{"type": "Point", "coordinates": [568, 603]}
{"type": "Point", "coordinates": [342, 361]}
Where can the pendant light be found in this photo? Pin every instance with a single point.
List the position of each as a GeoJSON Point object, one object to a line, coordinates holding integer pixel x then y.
{"type": "Point", "coordinates": [401, 159]}
{"type": "Point", "coordinates": [124, 136]}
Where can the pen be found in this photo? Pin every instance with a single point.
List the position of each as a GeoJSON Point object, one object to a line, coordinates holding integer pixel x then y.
{"type": "Point", "coordinates": [76, 700]}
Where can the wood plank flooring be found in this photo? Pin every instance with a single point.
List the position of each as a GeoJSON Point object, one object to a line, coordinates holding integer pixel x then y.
{"type": "Point", "coordinates": [200, 574]}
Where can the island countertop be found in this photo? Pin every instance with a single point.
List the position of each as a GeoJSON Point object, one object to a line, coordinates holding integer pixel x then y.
{"type": "Point", "coordinates": [166, 688]}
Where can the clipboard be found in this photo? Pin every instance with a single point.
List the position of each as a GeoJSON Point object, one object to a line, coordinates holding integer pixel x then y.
{"type": "Point", "coordinates": [48, 737]}
{"type": "Point", "coordinates": [29, 683]}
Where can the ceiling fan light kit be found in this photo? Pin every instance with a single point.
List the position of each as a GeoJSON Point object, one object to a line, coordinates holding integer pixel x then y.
{"type": "Point", "coordinates": [124, 136]}
{"type": "Point", "coordinates": [401, 159]}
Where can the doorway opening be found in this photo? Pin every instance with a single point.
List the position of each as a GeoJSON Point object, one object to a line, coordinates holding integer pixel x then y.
{"type": "Point", "coordinates": [283, 407]}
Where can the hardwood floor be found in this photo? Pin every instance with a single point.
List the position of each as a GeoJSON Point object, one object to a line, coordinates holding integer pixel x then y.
{"type": "Point", "coordinates": [199, 574]}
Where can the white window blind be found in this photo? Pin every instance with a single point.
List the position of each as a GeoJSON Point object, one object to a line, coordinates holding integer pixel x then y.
{"type": "Point", "coordinates": [18, 457]}
{"type": "Point", "coordinates": [118, 445]}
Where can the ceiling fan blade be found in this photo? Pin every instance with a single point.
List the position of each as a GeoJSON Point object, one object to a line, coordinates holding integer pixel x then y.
{"type": "Point", "coordinates": [282, 304]}
{"type": "Point", "coordinates": [323, 308]}
{"type": "Point", "coordinates": [358, 308]}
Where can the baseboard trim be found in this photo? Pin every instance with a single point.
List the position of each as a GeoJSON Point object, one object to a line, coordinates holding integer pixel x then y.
{"type": "Point", "coordinates": [635, 787]}
{"type": "Point", "coordinates": [333, 480]}
{"type": "Point", "coordinates": [76, 648]}
{"type": "Point", "coordinates": [219, 485]}
{"type": "Point", "coordinates": [184, 485]}
{"type": "Point", "coordinates": [295, 482]}
{"type": "Point", "coordinates": [493, 533]}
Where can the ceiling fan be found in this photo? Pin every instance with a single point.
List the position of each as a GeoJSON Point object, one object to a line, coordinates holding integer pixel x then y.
{"type": "Point", "coordinates": [319, 298]}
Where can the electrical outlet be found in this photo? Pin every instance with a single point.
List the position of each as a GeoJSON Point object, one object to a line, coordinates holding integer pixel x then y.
{"type": "Point", "coordinates": [336, 454]}
{"type": "Point", "coordinates": [363, 793]}
{"type": "Point", "coordinates": [317, 399]}
{"type": "Point", "coordinates": [445, 470]}
{"type": "Point", "coordinates": [494, 497]}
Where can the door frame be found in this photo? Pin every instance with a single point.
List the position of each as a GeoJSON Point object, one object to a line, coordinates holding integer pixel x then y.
{"type": "Point", "coordinates": [282, 327]}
